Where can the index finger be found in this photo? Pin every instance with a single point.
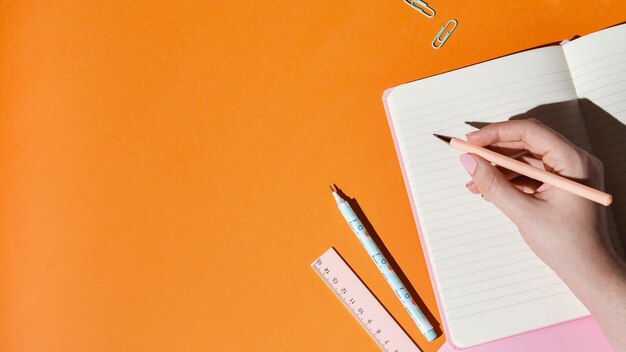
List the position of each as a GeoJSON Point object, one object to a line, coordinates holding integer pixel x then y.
{"type": "Point", "coordinates": [528, 134]}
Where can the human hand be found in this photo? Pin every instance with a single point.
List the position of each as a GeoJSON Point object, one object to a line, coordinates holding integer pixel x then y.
{"type": "Point", "coordinates": [569, 233]}
{"type": "Point", "coordinates": [559, 227]}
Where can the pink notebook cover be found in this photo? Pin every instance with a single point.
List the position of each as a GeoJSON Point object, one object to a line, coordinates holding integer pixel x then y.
{"type": "Point", "coordinates": [582, 334]}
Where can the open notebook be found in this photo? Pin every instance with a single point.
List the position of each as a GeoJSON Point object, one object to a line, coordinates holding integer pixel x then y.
{"type": "Point", "coordinates": [488, 283]}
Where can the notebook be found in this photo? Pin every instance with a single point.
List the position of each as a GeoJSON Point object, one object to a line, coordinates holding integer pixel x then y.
{"type": "Point", "coordinates": [489, 284]}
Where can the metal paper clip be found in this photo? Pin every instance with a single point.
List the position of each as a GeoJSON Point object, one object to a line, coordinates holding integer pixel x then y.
{"type": "Point", "coordinates": [421, 7]}
{"type": "Point", "coordinates": [439, 41]}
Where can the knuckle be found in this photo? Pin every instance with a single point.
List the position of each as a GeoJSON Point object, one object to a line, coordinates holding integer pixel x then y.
{"type": "Point", "coordinates": [588, 161]}
{"type": "Point", "coordinates": [530, 128]}
{"type": "Point", "coordinates": [587, 167]}
{"type": "Point", "coordinates": [579, 164]}
{"type": "Point", "coordinates": [597, 171]}
{"type": "Point", "coordinates": [597, 163]}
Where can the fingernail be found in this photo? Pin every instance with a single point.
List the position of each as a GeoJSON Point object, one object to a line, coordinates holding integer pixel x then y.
{"type": "Point", "coordinates": [469, 184]}
{"type": "Point", "coordinates": [469, 134]}
{"type": "Point", "coordinates": [468, 163]}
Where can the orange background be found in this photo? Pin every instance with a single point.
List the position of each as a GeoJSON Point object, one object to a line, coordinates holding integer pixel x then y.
{"type": "Point", "coordinates": [165, 166]}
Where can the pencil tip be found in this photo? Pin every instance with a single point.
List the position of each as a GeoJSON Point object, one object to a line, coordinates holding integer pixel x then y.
{"type": "Point", "coordinates": [443, 138]}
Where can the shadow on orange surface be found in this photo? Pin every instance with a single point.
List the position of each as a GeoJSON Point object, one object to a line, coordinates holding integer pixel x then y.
{"type": "Point", "coordinates": [354, 204]}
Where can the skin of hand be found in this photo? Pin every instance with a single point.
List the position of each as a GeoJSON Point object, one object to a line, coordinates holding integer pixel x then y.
{"type": "Point", "coordinates": [569, 233]}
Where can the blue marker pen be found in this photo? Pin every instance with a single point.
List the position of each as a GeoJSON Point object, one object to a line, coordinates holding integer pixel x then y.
{"type": "Point", "coordinates": [392, 279]}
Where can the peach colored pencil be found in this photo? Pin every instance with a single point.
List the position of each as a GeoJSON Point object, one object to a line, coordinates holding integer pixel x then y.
{"type": "Point", "coordinates": [530, 171]}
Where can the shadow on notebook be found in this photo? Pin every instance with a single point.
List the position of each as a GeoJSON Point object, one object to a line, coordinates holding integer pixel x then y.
{"type": "Point", "coordinates": [605, 138]}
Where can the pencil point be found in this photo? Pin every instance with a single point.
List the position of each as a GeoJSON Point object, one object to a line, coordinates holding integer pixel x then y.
{"type": "Point", "coordinates": [445, 139]}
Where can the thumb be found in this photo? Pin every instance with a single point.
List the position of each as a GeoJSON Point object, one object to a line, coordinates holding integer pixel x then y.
{"type": "Point", "coordinates": [496, 188]}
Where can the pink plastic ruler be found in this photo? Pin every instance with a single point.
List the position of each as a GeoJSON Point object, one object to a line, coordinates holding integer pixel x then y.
{"type": "Point", "coordinates": [360, 302]}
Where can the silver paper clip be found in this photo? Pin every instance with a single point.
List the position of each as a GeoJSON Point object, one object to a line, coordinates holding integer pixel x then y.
{"type": "Point", "coordinates": [421, 7]}
{"type": "Point", "coordinates": [439, 41]}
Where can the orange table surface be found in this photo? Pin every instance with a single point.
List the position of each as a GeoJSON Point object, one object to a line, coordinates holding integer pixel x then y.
{"type": "Point", "coordinates": [165, 165]}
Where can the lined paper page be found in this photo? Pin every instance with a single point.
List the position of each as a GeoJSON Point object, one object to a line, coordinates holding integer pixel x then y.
{"type": "Point", "coordinates": [484, 271]}
{"type": "Point", "coordinates": [598, 68]}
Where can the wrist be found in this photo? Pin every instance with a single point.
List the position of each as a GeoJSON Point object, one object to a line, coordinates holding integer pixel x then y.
{"type": "Point", "coordinates": [602, 277]}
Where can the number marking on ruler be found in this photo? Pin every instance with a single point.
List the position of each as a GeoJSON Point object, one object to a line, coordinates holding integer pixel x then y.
{"type": "Point", "coordinates": [362, 304]}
